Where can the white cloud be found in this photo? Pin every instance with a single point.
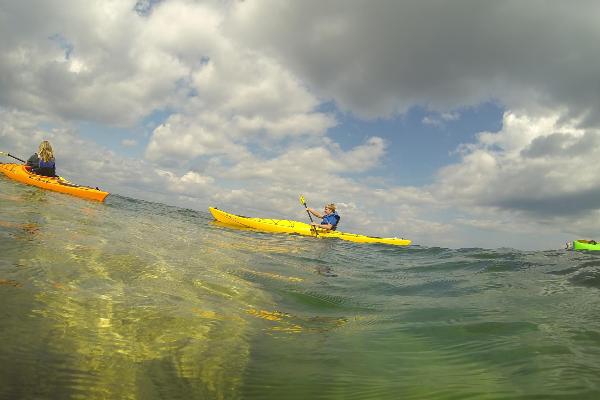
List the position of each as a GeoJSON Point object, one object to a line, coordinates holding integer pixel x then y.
{"type": "Point", "coordinates": [450, 116]}
{"type": "Point", "coordinates": [189, 183]}
{"type": "Point", "coordinates": [119, 65]}
{"type": "Point", "coordinates": [239, 96]}
{"type": "Point", "coordinates": [441, 119]}
{"type": "Point", "coordinates": [541, 168]}
{"type": "Point", "coordinates": [430, 120]}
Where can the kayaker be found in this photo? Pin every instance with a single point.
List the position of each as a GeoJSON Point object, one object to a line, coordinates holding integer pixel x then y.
{"type": "Point", "coordinates": [42, 162]}
{"type": "Point", "coordinates": [330, 217]}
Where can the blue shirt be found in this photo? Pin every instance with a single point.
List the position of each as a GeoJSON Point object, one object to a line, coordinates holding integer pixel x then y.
{"type": "Point", "coordinates": [332, 219]}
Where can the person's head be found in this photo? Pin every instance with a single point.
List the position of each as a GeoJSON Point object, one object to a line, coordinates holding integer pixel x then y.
{"type": "Point", "coordinates": [45, 151]}
{"type": "Point", "coordinates": [330, 208]}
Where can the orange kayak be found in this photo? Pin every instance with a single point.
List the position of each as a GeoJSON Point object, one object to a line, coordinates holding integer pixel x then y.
{"type": "Point", "coordinates": [18, 172]}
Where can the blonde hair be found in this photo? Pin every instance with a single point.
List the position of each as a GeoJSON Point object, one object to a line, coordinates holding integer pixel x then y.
{"type": "Point", "coordinates": [45, 151]}
{"type": "Point", "coordinates": [331, 206]}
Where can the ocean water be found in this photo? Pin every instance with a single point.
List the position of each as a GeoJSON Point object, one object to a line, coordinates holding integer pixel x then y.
{"type": "Point", "coordinates": [137, 300]}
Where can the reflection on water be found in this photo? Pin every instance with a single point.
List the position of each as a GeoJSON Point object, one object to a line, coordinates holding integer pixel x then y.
{"type": "Point", "coordinates": [136, 300]}
{"type": "Point", "coordinates": [10, 282]}
{"type": "Point", "coordinates": [119, 320]}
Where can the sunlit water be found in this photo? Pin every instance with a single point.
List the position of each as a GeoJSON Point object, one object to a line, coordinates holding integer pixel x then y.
{"type": "Point", "coordinates": [137, 300]}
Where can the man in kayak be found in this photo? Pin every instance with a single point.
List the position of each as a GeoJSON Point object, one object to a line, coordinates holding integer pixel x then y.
{"type": "Point", "coordinates": [42, 162]}
{"type": "Point", "coordinates": [330, 217]}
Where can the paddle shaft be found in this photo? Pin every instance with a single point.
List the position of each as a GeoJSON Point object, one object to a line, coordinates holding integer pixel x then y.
{"type": "Point", "coordinates": [309, 216]}
{"type": "Point", "coordinates": [308, 212]}
{"type": "Point", "coordinates": [16, 158]}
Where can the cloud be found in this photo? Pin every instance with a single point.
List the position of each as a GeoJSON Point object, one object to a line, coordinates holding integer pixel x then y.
{"type": "Point", "coordinates": [541, 168]}
{"type": "Point", "coordinates": [115, 62]}
{"type": "Point", "coordinates": [128, 143]}
{"type": "Point", "coordinates": [237, 96]}
{"type": "Point", "coordinates": [100, 61]}
{"type": "Point", "coordinates": [107, 63]}
{"type": "Point", "coordinates": [244, 97]}
{"type": "Point", "coordinates": [441, 119]}
{"type": "Point", "coordinates": [382, 60]}
{"type": "Point", "coordinates": [304, 165]}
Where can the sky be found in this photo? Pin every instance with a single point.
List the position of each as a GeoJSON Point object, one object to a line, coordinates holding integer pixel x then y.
{"type": "Point", "coordinates": [453, 123]}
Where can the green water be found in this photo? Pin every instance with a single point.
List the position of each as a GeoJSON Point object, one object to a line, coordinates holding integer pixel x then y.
{"type": "Point", "coordinates": [137, 300]}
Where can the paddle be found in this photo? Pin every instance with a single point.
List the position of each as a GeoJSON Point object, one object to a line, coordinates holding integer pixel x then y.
{"type": "Point", "coordinates": [303, 202]}
{"type": "Point", "coordinates": [10, 155]}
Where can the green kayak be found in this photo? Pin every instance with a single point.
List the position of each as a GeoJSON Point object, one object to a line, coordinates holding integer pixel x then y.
{"type": "Point", "coordinates": [585, 245]}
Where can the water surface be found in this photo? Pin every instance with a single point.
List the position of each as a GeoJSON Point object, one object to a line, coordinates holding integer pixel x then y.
{"type": "Point", "coordinates": [137, 300]}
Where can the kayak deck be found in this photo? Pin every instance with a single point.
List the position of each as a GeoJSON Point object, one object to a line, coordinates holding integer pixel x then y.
{"type": "Point", "coordinates": [300, 228]}
{"type": "Point", "coordinates": [21, 174]}
{"type": "Point", "coordinates": [582, 244]}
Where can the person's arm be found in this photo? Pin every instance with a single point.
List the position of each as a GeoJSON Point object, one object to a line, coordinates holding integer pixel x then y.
{"type": "Point", "coordinates": [315, 212]}
{"type": "Point", "coordinates": [327, 227]}
{"type": "Point", "coordinates": [325, 224]}
{"type": "Point", "coordinates": [33, 161]}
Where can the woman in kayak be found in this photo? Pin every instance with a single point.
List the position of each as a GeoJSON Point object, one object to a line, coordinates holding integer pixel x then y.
{"type": "Point", "coordinates": [330, 217]}
{"type": "Point", "coordinates": [42, 162]}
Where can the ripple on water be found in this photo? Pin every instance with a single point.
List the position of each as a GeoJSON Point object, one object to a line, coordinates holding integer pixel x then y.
{"type": "Point", "coordinates": [436, 288]}
{"type": "Point", "coordinates": [310, 299]}
{"type": "Point", "coordinates": [459, 265]}
{"type": "Point", "coordinates": [565, 271]}
{"type": "Point", "coordinates": [587, 278]}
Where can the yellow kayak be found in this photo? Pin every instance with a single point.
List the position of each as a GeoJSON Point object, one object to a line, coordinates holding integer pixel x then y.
{"type": "Point", "coordinates": [21, 174]}
{"type": "Point", "coordinates": [300, 228]}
